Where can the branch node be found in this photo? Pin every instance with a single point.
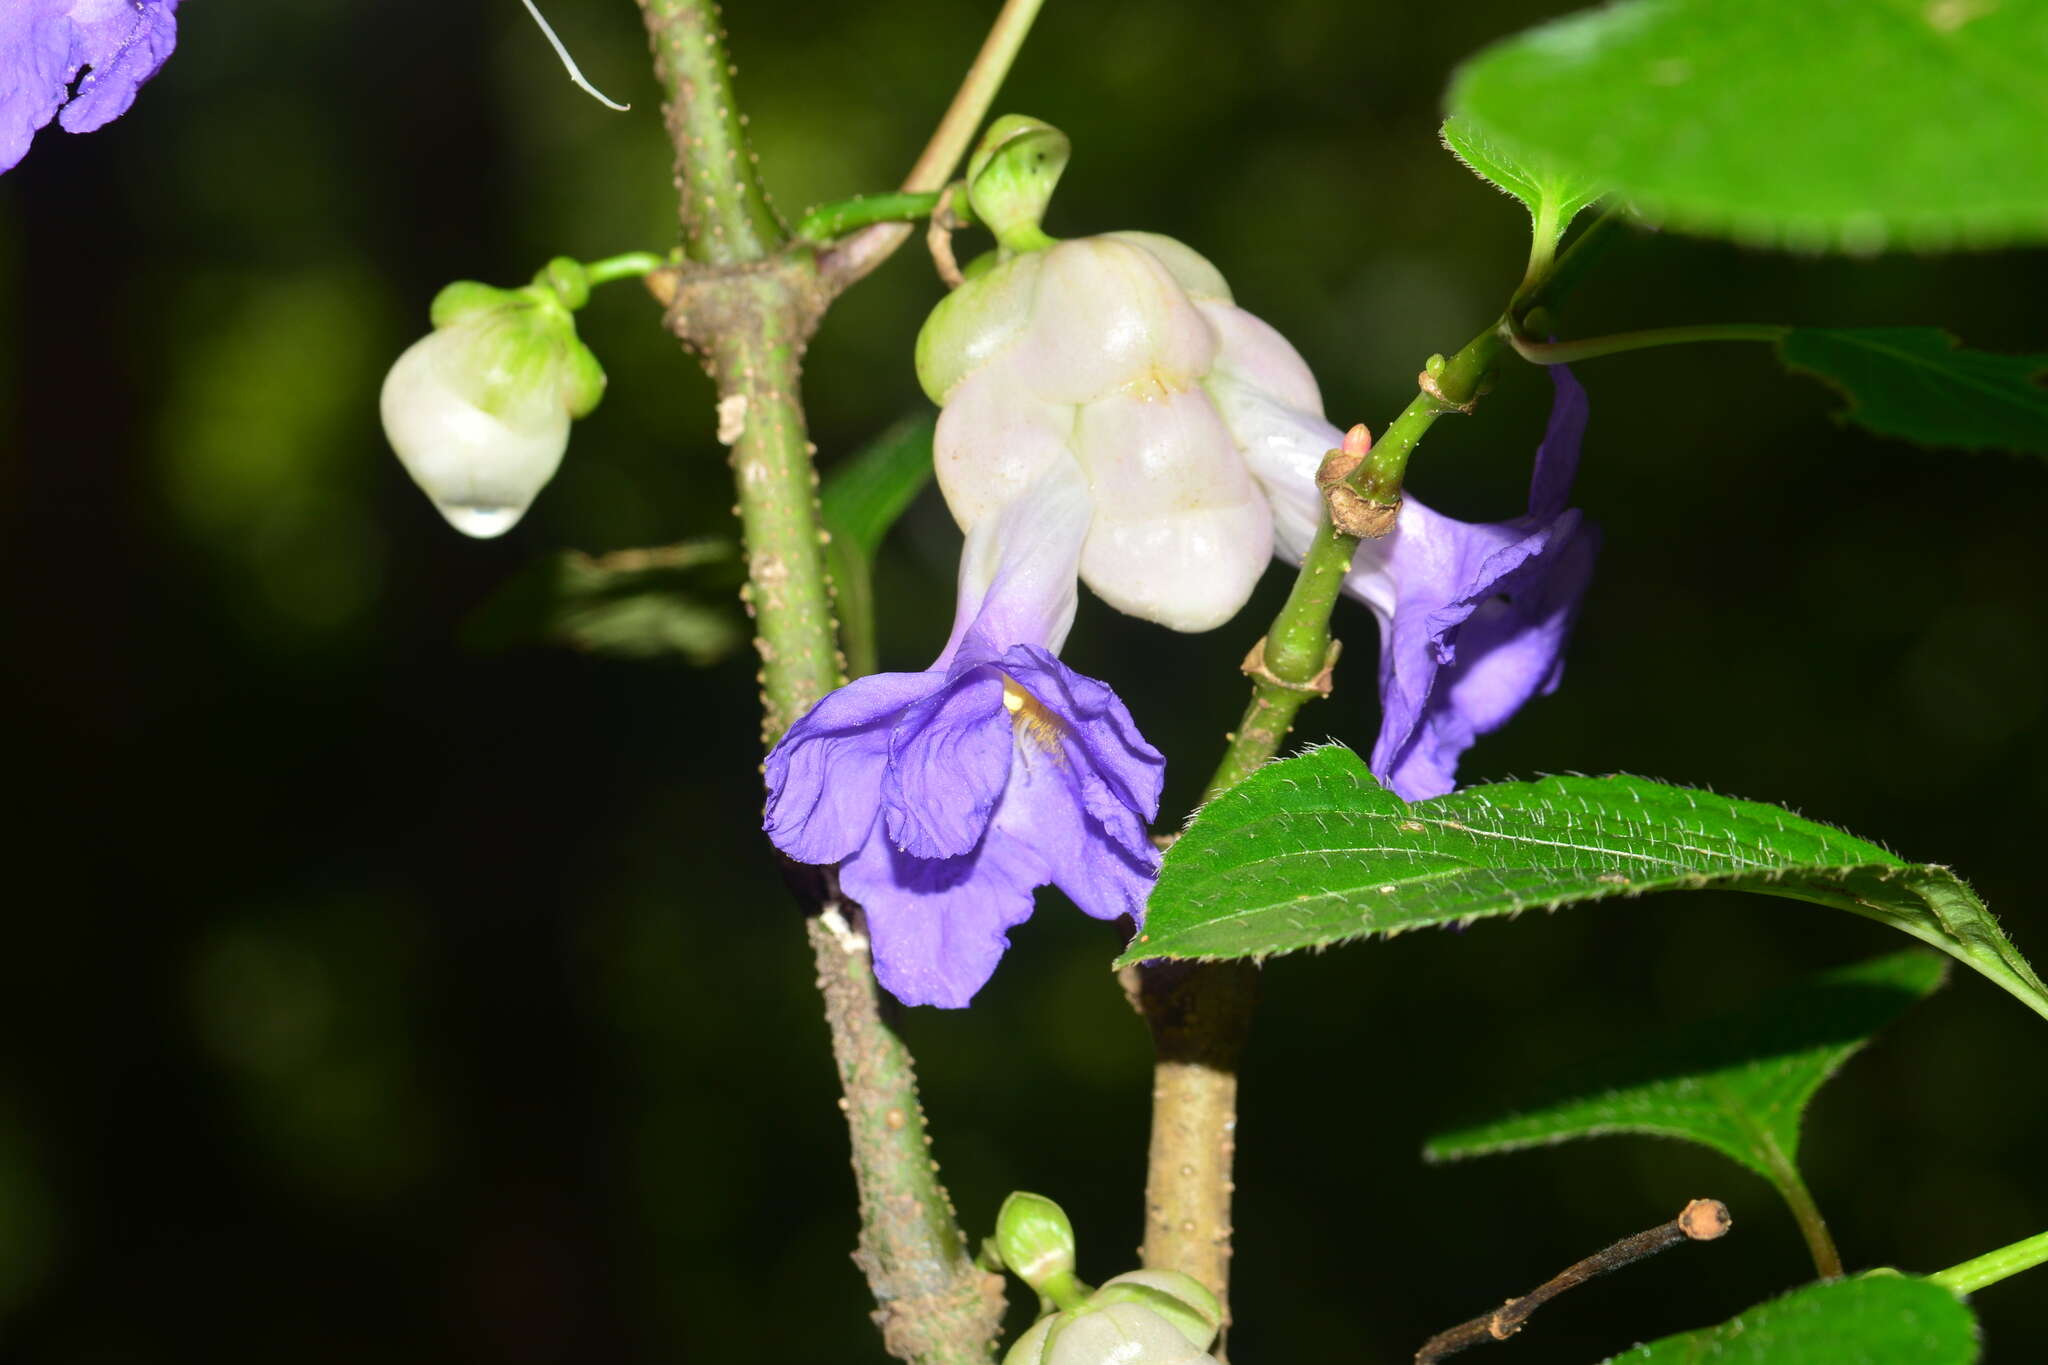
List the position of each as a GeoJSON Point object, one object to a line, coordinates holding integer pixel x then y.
{"type": "Point", "coordinates": [1254, 667]}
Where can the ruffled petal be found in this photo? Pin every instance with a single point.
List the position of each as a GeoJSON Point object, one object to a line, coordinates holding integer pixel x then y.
{"type": "Point", "coordinates": [1479, 629]}
{"type": "Point", "coordinates": [1099, 733]}
{"type": "Point", "coordinates": [949, 759]}
{"type": "Point", "coordinates": [35, 59]}
{"type": "Point", "coordinates": [123, 44]}
{"type": "Point", "coordinates": [939, 926]}
{"type": "Point", "coordinates": [825, 778]}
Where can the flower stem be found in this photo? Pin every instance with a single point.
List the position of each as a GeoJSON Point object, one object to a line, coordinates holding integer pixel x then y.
{"type": "Point", "coordinates": [628, 265]}
{"type": "Point", "coordinates": [1990, 1268]}
{"type": "Point", "coordinates": [747, 302]}
{"type": "Point", "coordinates": [854, 257]}
{"type": "Point", "coordinates": [829, 221]}
{"type": "Point", "coordinates": [1566, 352]}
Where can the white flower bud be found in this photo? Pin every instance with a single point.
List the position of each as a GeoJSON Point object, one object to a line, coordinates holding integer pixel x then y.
{"type": "Point", "coordinates": [1113, 1334]}
{"type": "Point", "coordinates": [1124, 354]}
{"type": "Point", "coordinates": [478, 410]}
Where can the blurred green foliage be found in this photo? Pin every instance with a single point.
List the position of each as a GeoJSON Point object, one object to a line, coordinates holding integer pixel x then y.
{"type": "Point", "coordinates": [365, 995]}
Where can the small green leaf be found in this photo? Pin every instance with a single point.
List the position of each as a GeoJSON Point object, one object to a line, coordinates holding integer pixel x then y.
{"type": "Point", "coordinates": [1881, 1318]}
{"type": "Point", "coordinates": [1311, 851]}
{"type": "Point", "coordinates": [869, 489]}
{"type": "Point", "coordinates": [1818, 124]}
{"type": "Point", "coordinates": [1552, 196]}
{"type": "Point", "coordinates": [1739, 1083]}
{"type": "Point", "coordinates": [1919, 384]}
{"type": "Point", "coordinates": [670, 600]}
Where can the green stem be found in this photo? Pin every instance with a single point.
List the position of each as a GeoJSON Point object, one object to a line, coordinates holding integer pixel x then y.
{"type": "Point", "coordinates": [1570, 268]}
{"type": "Point", "coordinates": [854, 257]}
{"type": "Point", "coordinates": [1990, 1268]}
{"type": "Point", "coordinates": [747, 307]}
{"type": "Point", "coordinates": [1298, 643]}
{"type": "Point", "coordinates": [725, 212]}
{"type": "Point", "coordinates": [628, 265]}
{"type": "Point", "coordinates": [1820, 1243]}
{"type": "Point", "coordinates": [955, 133]}
{"type": "Point", "coordinates": [1567, 352]}
{"type": "Point", "coordinates": [827, 221]}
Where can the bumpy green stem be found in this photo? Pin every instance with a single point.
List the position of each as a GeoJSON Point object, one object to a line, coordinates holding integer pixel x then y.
{"type": "Point", "coordinates": [747, 304]}
{"type": "Point", "coordinates": [1989, 1269]}
{"type": "Point", "coordinates": [725, 211]}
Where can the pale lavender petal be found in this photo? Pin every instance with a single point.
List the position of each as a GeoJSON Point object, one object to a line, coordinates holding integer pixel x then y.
{"type": "Point", "coordinates": [949, 758]}
{"type": "Point", "coordinates": [124, 43]}
{"type": "Point", "coordinates": [939, 926]}
{"type": "Point", "coordinates": [1103, 737]}
{"type": "Point", "coordinates": [825, 777]}
{"type": "Point", "coordinates": [1018, 567]}
{"type": "Point", "coordinates": [1557, 459]}
{"type": "Point", "coordinates": [1474, 618]}
{"type": "Point", "coordinates": [35, 54]}
{"type": "Point", "coordinates": [1055, 808]}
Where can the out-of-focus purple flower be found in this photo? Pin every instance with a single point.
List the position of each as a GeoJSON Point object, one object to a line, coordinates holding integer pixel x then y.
{"type": "Point", "coordinates": [45, 44]}
{"type": "Point", "coordinates": [1473, 618]}
{"type": "Point", "coordinates": [948, 797]}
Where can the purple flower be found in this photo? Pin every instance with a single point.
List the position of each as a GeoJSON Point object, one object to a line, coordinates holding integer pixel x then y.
{"type": "Point", "coordinates": [1473, 618]}
{"type": "Point", "coordinates": [948, 797]}
{"type": "Point", "coordinates": [45, 44]}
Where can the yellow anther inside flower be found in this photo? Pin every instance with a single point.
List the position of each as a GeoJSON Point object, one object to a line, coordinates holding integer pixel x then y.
{"type": "Point", "coordinates": [1035, 726]}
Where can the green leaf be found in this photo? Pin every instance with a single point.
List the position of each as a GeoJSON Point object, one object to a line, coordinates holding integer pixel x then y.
{"type": "Point", "coordinates": [1919, 384]}
{"type": "Point", "coordinates": [1739, 1083]}
{"type": "Point", "coordinates": [1311, 851]}
{"type": "Point", "coordinates": [1877, 1319]}
{"type": "Point", "coordinates": [1815, 124]}
{"type": "Point", "coordinates": [670, 600]}
{"type": "Point", "coordinates": [1553, 197]}
{"type": "Point", "coordinates": [868, 490]}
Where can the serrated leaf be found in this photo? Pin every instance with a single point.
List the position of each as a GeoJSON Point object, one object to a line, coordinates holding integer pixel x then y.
{"type": "Point", "coordinates": [1553, 197]}
{"type": "Point", "coordinates": [867, 491]}
{"type": "Point", "coordinates": [668, 600]}
{"type": "Point", "coordinates": [1819, 124]}
{"type": "Point", "coordinates": [1920, 384]}
{"type": "Point", "coordinates": [1876, 1319]}
{"type": "Point", "coordinates": [1739, 1083]}
{"type": "Point", "coordinates": [1311, 851]}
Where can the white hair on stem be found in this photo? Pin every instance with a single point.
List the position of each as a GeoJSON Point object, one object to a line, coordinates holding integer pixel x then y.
{"type": "Point", "coordinates": [569, 62]}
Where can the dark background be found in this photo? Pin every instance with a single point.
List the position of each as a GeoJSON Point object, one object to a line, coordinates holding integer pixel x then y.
{"type": "Point", "coordinates": [365, 996]}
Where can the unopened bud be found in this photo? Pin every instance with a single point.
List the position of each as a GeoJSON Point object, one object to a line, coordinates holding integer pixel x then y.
{"type": "Point", "coordinates": [1122, 1333]}
{"type": "Point", "coordinates": [1181, 1299]}
{"type": "Point", "coordinates": [1011, 176]}
{"type": "Point", "coordinates": [1036, 1240]}
{"type": "Point", "coordinates": [478, 410]}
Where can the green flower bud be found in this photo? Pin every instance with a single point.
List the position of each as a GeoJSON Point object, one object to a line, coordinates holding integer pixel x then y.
{"type": "Point", "coordinates": [479, 409]}
{"type": "Point", "coordinates": [1010, 178]}
{"type": "Point", "coordinates": [1036, 1240]}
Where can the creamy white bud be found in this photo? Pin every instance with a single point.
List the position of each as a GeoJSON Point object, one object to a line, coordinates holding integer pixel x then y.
{"type": "Point", "coordinates": [480, 410]}
{"type": "Point", "coordinates": [1119, 1334]}
{"type": "Point", "coordinates": [1124, 355]}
